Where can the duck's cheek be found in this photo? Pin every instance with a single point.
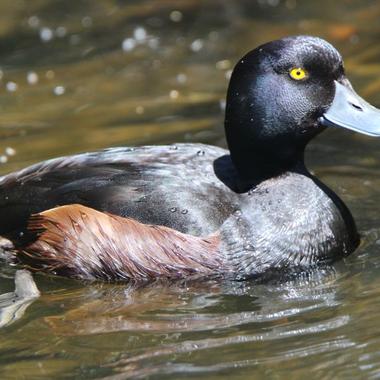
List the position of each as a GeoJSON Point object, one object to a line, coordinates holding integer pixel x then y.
{"type": "Point", "coordinates": [308, 104]}
{"type": "Point", "coordinates": [310, 127]}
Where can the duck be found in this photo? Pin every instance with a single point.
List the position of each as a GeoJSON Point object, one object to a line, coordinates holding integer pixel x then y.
{"type": "Point", "coordinates": [182, 210]}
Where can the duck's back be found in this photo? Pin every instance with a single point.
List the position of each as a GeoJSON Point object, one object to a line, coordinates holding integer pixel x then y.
{"type": "Point", "coordinates": [173, 186]}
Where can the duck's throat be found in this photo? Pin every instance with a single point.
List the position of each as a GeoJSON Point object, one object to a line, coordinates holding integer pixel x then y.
{"type": "Point", "coordinates": [259, 164]}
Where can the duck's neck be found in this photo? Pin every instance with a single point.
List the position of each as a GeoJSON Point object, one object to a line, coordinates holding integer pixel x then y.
{"type": "Point", "coordinates": [264, 136]}
{"type": "Point", "coordinates": [259, 164]}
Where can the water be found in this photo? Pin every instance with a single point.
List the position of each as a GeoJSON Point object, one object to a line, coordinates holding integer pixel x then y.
{"type": "Point", "coordinates": [94, 74]}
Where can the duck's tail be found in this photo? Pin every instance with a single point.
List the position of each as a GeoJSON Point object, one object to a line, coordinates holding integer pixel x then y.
{"type": "Point", "coordinates": [80, 242]}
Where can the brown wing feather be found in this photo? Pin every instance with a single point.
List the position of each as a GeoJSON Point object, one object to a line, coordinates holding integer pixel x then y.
{"type": "Point", "coordinates": [81, 242]}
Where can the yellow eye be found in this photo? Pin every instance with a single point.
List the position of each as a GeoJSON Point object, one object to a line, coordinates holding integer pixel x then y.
{"type": "Point", "coordinates": [297, 73]}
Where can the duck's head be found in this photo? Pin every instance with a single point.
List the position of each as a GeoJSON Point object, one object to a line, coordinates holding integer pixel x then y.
{"type": "Point", "coordinates": [281, 95]}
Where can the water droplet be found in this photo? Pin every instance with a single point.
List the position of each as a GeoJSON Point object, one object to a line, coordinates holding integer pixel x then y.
{"type": "Point", "coordinates": [184, 211]}
{"type": "Point", "coordinates": [21, 234]}
{"type": "Point", "coordinates": [201, 153]}
{"type": "Point", "coordinates": [11, 86]}
{"type": "Point", "coordinates": [174, 94]}
{"type": "Point", "coordinates": [173, 209]}
{"type": "Point", "coordinates": [46, 34]}
{"type": "Point", "coordinates": [6, 198]}
{"type": "Point", "coordinates": [3, 159]}
{"type": "Point", "coordinates": [87, 21]}
{"type": "Point", "coordinates": [175, 16]}
{"type": "Point", "coordinates": [33, 21]}
{"type": "Point", "coordinates": [196, 45]}
{"type": "Point", "coordinates": [32, 77]}
{"type": "Point", "coordinates": [173, 147]}
{"type": "Point", "coordinates": [140, 110]}
{"type": "Point", "coordinates": [237, 213]}
{"type": "Point", "coordinates": [128, 44]}
{"type": "Point", "coordinates": [50, 74]}
{"type": "Point", "coordinates": [181, 78]}
{"type": "Point", "coordinates": [153, 43]}
{"type": "Point", "coordinates": [248, 247]}
{"type": "Point", "coordinates": [59, 90]}
{"type": "Point", "coordinates": [224, 64]}
{"type": "Point", "coordinates": [140, 33]}
{"type": "Point", "coordinates": [61, 32]}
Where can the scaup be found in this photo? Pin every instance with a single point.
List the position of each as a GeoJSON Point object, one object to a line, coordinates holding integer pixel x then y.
{"type": "Point", "coordinates": [193, 209]}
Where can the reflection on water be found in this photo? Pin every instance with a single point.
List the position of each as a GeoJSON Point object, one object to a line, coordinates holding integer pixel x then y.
{"type": "Point", "coordinates": [14, 304]}
{"type": "Point", "coordinates": [103, 73]}
{"type": "Point", "coordinates": [181, 328]}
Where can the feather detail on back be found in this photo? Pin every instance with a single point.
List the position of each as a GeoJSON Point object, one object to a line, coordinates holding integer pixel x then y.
{"type": "Point", "coordinates": [80, 242]}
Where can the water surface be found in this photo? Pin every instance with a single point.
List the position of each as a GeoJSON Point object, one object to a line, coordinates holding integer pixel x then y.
{"type": "Point", "coordinates": [78, 76]}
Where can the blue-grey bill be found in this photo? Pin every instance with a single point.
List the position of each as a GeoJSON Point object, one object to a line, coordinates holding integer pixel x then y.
{"type": "Point", "coordinates": [349, 110]}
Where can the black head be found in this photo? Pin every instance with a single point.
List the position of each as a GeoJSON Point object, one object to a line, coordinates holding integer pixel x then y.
{"type": "Point", "coordinates": [278, 99]}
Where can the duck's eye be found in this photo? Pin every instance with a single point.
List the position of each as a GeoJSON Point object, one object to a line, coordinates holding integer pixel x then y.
{"type": "Point", "coordinates": [297, 73]}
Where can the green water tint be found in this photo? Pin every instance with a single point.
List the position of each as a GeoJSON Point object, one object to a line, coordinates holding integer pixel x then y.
{"type": "Point", "coordinates": [167, 85]}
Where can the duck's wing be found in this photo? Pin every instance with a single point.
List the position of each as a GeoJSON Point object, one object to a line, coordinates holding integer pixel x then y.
{"type": "Point", "coordinates": [156, 184]}
{"type": "Point", "coordinates": [80, 242]}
